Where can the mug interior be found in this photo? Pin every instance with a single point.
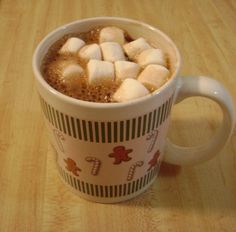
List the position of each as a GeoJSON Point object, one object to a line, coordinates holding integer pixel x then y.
{"type": "Point", "coordinates": [135, 29]}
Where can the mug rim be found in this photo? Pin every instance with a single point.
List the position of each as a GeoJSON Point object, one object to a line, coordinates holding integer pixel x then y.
{"type": "Point", "coordinates": [79, 102]}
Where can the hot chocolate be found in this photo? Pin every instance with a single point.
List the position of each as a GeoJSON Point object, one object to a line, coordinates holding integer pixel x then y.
{"type": "Point", "coordinates": [97, 66]}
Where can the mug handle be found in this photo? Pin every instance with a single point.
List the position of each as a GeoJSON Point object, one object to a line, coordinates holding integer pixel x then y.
{"type": "Point", "coordinates": [210, 88]}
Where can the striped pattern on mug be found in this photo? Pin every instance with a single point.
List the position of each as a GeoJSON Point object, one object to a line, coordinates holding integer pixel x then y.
{"type": "Point", "coordinates": [109, 131]}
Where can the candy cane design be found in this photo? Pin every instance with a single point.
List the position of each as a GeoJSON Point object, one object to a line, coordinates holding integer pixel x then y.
{"type": "Point", "coordinates": [59, 138]}
{"type": "Point", "coordinates": [133, 168]}
{"type": "Point", "coordinates": [153, 138]}
{"type": "Point", "coordinates": [96, 163]}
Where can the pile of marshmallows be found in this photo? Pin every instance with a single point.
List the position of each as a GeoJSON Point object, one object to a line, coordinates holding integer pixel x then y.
{"type": "Point", "coordinates": [107, 61]}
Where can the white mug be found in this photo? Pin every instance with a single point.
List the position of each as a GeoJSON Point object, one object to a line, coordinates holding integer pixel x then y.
{"type": "Point", "coordinates": [111, 152]}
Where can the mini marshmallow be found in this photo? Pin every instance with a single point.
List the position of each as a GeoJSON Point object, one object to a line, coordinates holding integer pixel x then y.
{"type": "Point", "coordinates": [151, 56]}
{"type": "Point", "coordinates": [100, 70]}
{"type": "Point", "coordinates": [134, 48]}
{"type": "Point", "coordinates": [129, 89]}
{"type": "Point", "coordinates": [126, 69]}
{"type": "Point", "coordinates": [112, 34]}
{"type": "Point", "coordinates": [72, 46]}
{"type": "Point", "coordinates": [72, 70]}
{"type": "Point", "coordinates": [91, 51]}
{"type": "Point", "coordinates": [112, 51]}
{"type": "Point", "coordinates": [154, 75]}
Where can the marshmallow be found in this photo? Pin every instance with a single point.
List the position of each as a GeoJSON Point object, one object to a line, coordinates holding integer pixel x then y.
{"type": "Point", "coordinates": [72, 46]}
{"type": "Point", "coordinates": [134, 48]}
{"type": "Point", "coordinates": [154, 75]}
{"type": "Point", "coordinates": [151, 56]}
{"type": "Point", "coordinates": [112, 34]}
{"type": "Point", "coordinates": [72, 70]}
{"type": "Point", "coordinates": [91, 51]}
{"type": "Point", "coordinates": [126, 69]}
{"type": "Point", "coordinates": [112, 51]}
{"type": "Point", "coordinates": [100, 70]}
{"type": "Point", "coordinates": [129, 89]}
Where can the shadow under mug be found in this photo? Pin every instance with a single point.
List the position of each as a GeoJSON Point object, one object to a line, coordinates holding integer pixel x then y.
{"type": "Point", "coordinates": [111, 152]}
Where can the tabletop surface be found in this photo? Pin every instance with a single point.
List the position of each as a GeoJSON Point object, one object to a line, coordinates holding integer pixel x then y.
{"type": "Point", "coordinates": [198, 198]}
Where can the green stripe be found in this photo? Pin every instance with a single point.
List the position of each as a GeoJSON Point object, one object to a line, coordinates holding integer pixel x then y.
{"type": "Point", "coordinates": [84, 130]}
{"type": "Point", "coordinates": [167, 104]}
{"type": "Point", "coordinates": [158, 116]}
{"type": "Point", "coordinates": [154, 119]}
{"type": "Point", "coordinates": [133, 186]}
{"type": "Point", "coordinates": [129, 187]}
{"type": "Point", "coordinates": [75, 183]}
{"type": "Point", "coordinates": [78, 183]}
{"type": "Point", "coordinates": [133, 127]}
{"type": "Point", "coordinates": [109, 134]}
{"type": "Point", "coordinates": [124, 189]}
{"type": "Point", "coordinates": [83, 189]}
{"type": "Point", "coordinates": [152, 172]}
{"type": "Point", "coordinates": [170, 105]}
{"type": "Point", "coordinates": [71, 181]}
{"type": "Point", "coordinates": [96, 190]}
{"type": "Point", "coordinates": [67, 178]}
{"type": "Point", "coordinates": [115, 191]}
{"type": "Point", "coordinates": [87, 188]}
{"type": "Point", "coordinates": [73, 127]}
{"type": "Point", "coordinates": [91, 188]}
{"type": "Point", "coordinates": [148, 178]}
{"type": "Point", "coordinates": [101, 190]}
{"type": "Point", "coordinates": [97, 132]}
{"type": "Point", "coordinates": [120, 190]}
{"type": "Point", "coordinates": [79, 128]}
{"type": "Point", "coordinates": [63, 123]}
{"type": "Point", "coordinates": [149, 122]}
{"type": "Point", "coordinates": [115, 132]}
{"type": "Point", "coordinates": [90, 131]}
{"type": "Point", "coordinates": [121, 131]}
{"type": "Point", "coordinates": [45, 109]}
{"type": "Point", "coordinates": [141, 183]}
{"type": "Point", "coordinates": [58, 120]}
{"type": "Point", "coordinates": [50, 114]}
{"type": "Point", "coordinates": [162, 113]}
{"type": "Point", "coordinates": [139, 126]}
{"type": "Point", "coordinates": [137, 185]}
{"type": "Point", "coordinates": [103, 132]}
{"type": "Point", "coordinates": [111, 191]}
{"type": "Point", "coordinates": [144, 124]}
{"type": "Point", "coordinates": [144, 180]}
{"type": "Point", "coordinates": [127, 128]}
{"type": "Point", "coordinates": [68, 125]}
{"type": "Point", "coordinates": [106, 191]}
{"type": "Point", "coordinates": [54, 118]}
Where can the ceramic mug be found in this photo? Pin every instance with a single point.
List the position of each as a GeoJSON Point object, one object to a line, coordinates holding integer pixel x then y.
{"type": "Point", "coordinates": [111, 152]}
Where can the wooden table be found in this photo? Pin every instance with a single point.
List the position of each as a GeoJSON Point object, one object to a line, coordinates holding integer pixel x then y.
{"type": "Point", "coordinates": [199, 198]}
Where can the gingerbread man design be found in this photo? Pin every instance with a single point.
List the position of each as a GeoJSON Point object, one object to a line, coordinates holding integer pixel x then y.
{"type": "Point", "coordinates": [72, 167]}
{"type": "Point", "coordinates": [154, 161]}
{"type": "Point", "coordinates": [120, 154]}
